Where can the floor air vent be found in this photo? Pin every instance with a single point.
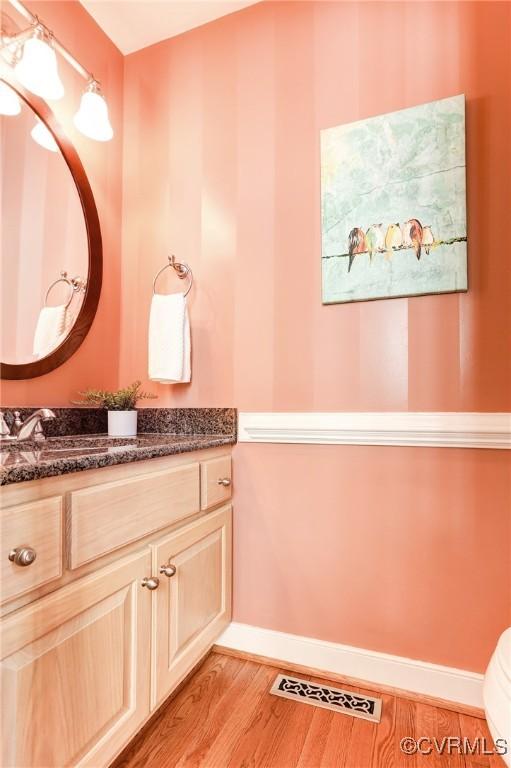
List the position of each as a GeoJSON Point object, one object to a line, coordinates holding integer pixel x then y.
{"type": "Point", "coordinates": [327, 697]}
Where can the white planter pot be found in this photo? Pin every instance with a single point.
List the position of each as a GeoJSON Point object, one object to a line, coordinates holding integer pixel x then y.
{"type": "Point", "coordinates": [122, 423]}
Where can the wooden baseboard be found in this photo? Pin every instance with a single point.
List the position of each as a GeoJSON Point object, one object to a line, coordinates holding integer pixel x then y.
{"type": "Point", "coordinates": [464, 709]}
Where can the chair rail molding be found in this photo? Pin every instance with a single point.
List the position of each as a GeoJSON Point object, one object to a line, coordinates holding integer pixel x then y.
{"type": "Point", "coordinates": [403, 428]}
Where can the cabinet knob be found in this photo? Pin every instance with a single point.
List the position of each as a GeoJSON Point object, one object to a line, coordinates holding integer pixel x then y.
{"type": "Point", "coordinates": [168, 570]}
{"type": "Point", "coordinates": [224, 481]}
{"type": "Point", "coordinates": [22, 555]}
{"type": "Point", "coordinates": [151, 582]}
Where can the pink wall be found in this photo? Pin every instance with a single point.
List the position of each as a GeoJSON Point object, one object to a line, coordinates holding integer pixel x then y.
{"type": "Point", "coordinates": [222, 167]}
{"type": "Point", "coordinates": [96, 362]}
{"type": "Point", "coordinates": [399, 550]}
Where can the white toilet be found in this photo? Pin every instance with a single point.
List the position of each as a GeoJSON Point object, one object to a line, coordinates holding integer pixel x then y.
{"type": "Point", "coordinates": [497, 693]}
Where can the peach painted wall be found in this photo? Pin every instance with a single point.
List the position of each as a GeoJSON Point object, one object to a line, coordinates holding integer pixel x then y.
{"type": "Point", "coordinates": [96, 362]}
{"type": "Point", "coordinates": [400, 550]}
{"type": "Point", "coordinates": [222, 167]}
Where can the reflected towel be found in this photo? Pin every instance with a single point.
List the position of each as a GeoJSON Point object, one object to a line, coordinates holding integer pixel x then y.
{"type": "Point", "coordinates": [50, 328]}
{"type": "Point", "coordinates": [169, 339]}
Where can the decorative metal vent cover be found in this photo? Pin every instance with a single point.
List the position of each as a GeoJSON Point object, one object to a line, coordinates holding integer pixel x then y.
{"type": "Point", "coordinates": [327, 697]}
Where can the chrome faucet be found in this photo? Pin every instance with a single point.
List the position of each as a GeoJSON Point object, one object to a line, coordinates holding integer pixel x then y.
{"type": "Point", "coordinates": [30, 429]}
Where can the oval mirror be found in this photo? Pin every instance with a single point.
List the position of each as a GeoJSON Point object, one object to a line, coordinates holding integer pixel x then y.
{"type": "Point", "coordinates": [51, 252]}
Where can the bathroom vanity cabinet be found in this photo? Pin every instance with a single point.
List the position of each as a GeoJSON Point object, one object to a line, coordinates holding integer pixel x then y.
{"type": "Point", "coordinates": [129, 589]}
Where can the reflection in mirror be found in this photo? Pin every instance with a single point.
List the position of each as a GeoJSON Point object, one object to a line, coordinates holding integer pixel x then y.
{"type": "Point", "coordinates": [44, 251]}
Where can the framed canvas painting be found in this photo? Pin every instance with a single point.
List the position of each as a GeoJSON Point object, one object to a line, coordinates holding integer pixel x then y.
{"type": "Point", "coordinates": [393, 204]}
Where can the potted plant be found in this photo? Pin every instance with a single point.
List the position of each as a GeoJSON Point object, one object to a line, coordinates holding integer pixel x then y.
{"type": "Point", "coordinates": [121, 407]}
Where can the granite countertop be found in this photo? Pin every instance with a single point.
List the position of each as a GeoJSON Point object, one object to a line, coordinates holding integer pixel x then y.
{"type": "Point", "coordinates": [58, 456]}
{"type": "Point", "coordinates": [73, 446]}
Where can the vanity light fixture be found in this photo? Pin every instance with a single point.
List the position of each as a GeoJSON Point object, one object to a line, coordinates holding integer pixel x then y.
{"type": "Point", "coordinates": [37, 68]}
{"type": "Point", "coordinates": [43, 137]}
{"type": "Point", "coordinates": [32, 55]}
{"type": "Point", "coordinates": [9, 100]}
{"type": "Point", "coordinates": [92, 117]}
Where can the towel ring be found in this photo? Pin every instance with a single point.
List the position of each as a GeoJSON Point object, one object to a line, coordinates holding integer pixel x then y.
{"type": "Point", "coordinates": [75, 284]}
{"type": "Point", "coordinates": [182, 271]}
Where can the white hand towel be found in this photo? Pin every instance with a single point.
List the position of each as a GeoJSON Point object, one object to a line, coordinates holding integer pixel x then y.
{"type": "Point", "coordinates": [49, 329]}
{"type": "Point", "coordinates": [169, 339]}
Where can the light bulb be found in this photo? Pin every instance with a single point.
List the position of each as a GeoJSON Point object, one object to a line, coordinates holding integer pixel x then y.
{"type": "Point", "coordinates": [37, 69]}
{"type": "Point", "coordinates": [92, 117]}
{"type": "Point", "coordinates": [9, 100]}
{"type": "Point", "coordinates": [43, 137]}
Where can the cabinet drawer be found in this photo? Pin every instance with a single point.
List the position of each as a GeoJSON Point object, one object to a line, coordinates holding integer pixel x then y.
{"type": "Point", "coordinates": [216, 481]}
{"type": "Point", "coordinates": [38, 526]}
{"type": "Point", "coordinates": [106, 517]}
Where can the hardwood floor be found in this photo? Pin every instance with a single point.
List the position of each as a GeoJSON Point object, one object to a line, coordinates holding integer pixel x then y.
{"type": "Point", "coordinates": [224, 717]}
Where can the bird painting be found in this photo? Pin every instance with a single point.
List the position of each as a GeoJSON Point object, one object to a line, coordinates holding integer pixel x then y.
{"type": "Point", "coordinates": [356, 244]}
{"type": "Point", "coordinates": [393, 239]}
{"type": "Point", "coordinates": [393, 204]}
{"type": "Point", "coordinates": [427, 239]}
{"type": "Point", "coordinates": [375, 240]}
{"type": "Point", "coordinates": [414, 232]}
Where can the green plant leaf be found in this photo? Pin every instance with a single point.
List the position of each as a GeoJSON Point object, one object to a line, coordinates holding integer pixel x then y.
{"type": "Point", "coordinates": [125, 399]}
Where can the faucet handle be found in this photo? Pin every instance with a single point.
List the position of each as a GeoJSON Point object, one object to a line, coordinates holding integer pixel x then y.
{"type": "Point", "coordinates": [4, 427]}
{"type": "Point", "coordinates": [16, 424]}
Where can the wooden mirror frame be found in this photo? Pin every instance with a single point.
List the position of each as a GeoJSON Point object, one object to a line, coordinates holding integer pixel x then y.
{"type": "Point", "coordinates": [90, 302]}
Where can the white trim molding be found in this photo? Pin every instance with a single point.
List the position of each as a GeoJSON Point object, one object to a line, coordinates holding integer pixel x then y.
{"type": "Point", "coordinates": [433, 430]}
{"type": "Point", "coordinates": [420, 677]}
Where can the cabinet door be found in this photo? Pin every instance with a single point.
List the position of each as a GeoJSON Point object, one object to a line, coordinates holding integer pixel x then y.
{"type": "Point", "coordinates": [193, 604]}
{"type": "Point", "coordinates": [75, 669]}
